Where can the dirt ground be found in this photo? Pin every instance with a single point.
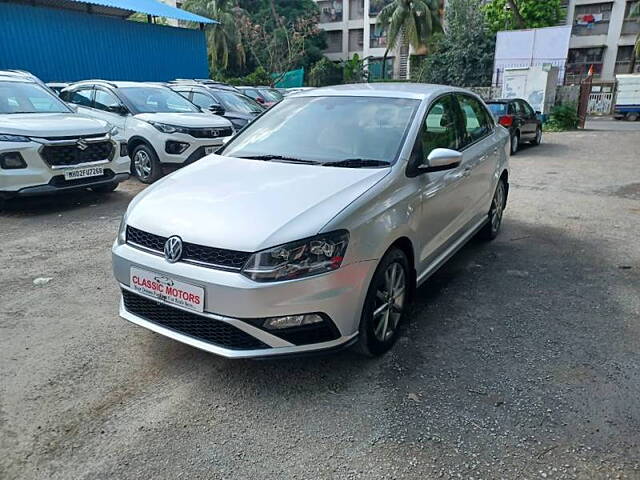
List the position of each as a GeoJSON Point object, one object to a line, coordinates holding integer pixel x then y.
{"type": "Point", "coordinates": [520, 358]}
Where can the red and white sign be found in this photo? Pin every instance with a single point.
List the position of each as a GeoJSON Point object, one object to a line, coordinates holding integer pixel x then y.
{"type": "Point", "coordinates": [161, 287]}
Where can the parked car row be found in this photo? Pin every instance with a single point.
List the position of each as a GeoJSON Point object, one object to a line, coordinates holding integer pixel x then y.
{"type": "Point", "coordinates": [98, 132]}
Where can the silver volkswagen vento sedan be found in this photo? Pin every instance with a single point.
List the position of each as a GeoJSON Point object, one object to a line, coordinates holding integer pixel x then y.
{"type": "Point", "coordinates": [312, 228]}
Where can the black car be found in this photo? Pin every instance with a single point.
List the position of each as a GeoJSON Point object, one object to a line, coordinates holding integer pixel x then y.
{"type": "Point", "coordinates": [520, 119]}
{"type": "Point", "coordinates": [232, 105]}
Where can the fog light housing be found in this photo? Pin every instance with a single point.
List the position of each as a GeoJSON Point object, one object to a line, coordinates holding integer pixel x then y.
{"type": "Point", "coordinates": [292, 321]}
{"type": "Point", "coordinates": [12, 160]}
{"type": "Point", "coordinates": [175, 148]}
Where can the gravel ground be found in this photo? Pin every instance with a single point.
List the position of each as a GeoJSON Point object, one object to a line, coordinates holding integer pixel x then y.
{"type": "Point", "coordinates": [520, 358]}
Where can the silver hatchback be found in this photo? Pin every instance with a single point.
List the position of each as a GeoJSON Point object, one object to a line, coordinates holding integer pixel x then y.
{"type": "Point", "coordinates": [312, 228]}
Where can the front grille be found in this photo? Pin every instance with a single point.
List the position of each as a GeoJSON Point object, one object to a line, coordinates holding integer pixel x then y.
{"type": "Point", "coordinates": [210, 132]}
{"type": "Point", "coordinates": [66, 155]}
{"type": "Point", "coordinates": [207, 329]}
{"type": "Point", "coordinates": [210, 256]}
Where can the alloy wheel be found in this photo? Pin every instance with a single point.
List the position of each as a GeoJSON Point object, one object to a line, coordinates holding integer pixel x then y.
{"type": "Point", "coordinates": [389, 302]}
{"type": "Point", "coordinates": [142, 164]}
{"type": "Point", "coordinates": [497, 207]}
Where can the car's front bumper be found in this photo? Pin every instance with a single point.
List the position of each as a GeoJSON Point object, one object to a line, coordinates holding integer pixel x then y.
{"type": "Point", "coordinates": [39, 178]}
{"type": "Point", "coordinates": [232, 298]}
{"type": "Point", "coordinates": [195, 151]}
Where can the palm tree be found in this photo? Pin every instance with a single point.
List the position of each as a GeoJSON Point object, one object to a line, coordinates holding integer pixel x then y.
{"type": "Point", "coordinates": [223, 37]}
{"type": "Point", "coordinates": [410, 22]}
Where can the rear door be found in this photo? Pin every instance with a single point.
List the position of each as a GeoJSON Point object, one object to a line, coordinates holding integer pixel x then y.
{"type": "Point", "coordinates": [480, 156]}
{"type": "Point", "coordinates": [530, 119]}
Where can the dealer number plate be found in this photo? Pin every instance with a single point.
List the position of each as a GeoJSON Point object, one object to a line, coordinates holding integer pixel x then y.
{"type": "Point", "coordinates": [169, 290]}
{"type": "Point", "coordinates": [83, 173]}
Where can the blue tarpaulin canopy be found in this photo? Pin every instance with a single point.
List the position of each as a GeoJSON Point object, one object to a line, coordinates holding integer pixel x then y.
{"type": "Point", "coordinates": [149, 7]}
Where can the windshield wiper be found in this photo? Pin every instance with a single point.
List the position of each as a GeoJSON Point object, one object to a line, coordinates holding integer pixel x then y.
{"type": "Point", "coordinates": [358, 163]}
{"type": "Point", "coordinates": [280, 158]}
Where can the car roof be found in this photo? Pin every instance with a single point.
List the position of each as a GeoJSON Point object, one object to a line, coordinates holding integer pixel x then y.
{"type": "Point", "coordinates": [18, 76]}
{"type": "Point", "coordinates": [420, 91]}
{"type": "Point", "coordinates": [119, 84]}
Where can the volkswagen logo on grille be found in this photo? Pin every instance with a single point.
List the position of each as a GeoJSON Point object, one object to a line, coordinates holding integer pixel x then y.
{"type": "Point", "coordinates": [82, 145]}
{"type": "Point", "coordinates": [173, 249]}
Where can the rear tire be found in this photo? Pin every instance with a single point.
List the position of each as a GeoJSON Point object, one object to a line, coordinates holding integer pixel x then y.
{"type": "Point", "coordinates": [145, 164]}
{"type": "Point", "coordinates": [632, 117]}
{"type": "Point", "coordinates": [106, 188]}
{"type": "Point", "coordinates": [499, 201]}
{"type": "Point", "coordinates": [515, 143]}
{"type": "Point", "coordinates": [538, 139]}
{"type": "Point", "coordinates": [384, 305]}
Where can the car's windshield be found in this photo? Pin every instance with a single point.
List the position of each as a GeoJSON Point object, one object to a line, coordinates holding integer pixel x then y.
{"type": "Point", "coordinates": [498, 109]}
{"type": "Point", "coordinates": [21, 97]}
{"type": "Point", "coordinates": [328, 129]}
{"type": "Point", "coordinates": [238, 103]}
{"type": "Point", "coordinates": [270, 95]}
{"type": "Point", "coordinates": [156, 100]}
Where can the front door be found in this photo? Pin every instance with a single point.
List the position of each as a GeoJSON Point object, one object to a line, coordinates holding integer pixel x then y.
{"type": "Point", "coordinates": [441, 193]}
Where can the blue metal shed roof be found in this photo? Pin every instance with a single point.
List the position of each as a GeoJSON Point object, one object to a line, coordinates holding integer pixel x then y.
{"type": "Point", "coordinates": [150, 7]}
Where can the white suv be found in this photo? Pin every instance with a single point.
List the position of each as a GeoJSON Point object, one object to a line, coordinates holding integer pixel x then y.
{"type": "Point", "coordinates": [162, 128]}
{"type": "Point", "coordinates": [46, 147]}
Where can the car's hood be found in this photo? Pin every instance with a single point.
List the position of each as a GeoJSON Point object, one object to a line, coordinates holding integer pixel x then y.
{"type": "Point", "coordinates": [51, 124]}
{"type": "Point", "coordinates": [195, 119]}
{"type": "Point", "coordinates": [248, 205]}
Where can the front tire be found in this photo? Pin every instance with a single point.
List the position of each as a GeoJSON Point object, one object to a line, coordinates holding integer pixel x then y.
{"type": "Point", "coordinates": [106, 188]}
{"type": "Point", "coordinates": [515, 143]}
{"type": "Point", "coordinates": [145, 164]}
{"type": "Point", "coordinates": [385, 304]}
{"type": "Point", "coordinates": [499, 201]}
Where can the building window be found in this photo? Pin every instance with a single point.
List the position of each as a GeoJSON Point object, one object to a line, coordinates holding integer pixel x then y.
{"type": "Point", "coordinates": [580, 60]}
{"type": "Point", "coordinates": [356, 40]}
{"type": "Point", "coordinates": [330, 11]}
{"type": "Point", "coordinates": [624, 60]}
{"type": "Point", "coordinates": [592, 19]}
{"type": "Point", "coordinates": [376, 5]}
{"type": "Point", "coordinates": [375, 69]}
{"type": "Point", "coordinates": [356, 9]}
{"type": "Point", "coordinates": [631, 25]}
{"type": "Point", "coordinates": [377, 37]}
{"type": "Point", "coordinates": [334, 42]}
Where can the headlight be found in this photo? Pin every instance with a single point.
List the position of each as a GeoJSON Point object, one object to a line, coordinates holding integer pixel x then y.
{"type": "Point", "coordinates": [303, 258]}
{"type": "Point", "coordinates": [5, 137]}
{"type": "Point", "coordinates": [166, 128]}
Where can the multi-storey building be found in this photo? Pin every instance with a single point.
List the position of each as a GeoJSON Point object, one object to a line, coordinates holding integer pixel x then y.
{"type": "Point", "coordinates": [351, 28]}
{"type": "Point", "coordinates": [602, 38]}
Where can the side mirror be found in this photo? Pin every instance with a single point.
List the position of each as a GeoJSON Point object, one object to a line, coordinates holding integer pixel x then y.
{"type": "Point", "coordinates": [260, 100]}
{"type": "Point", "coordinates": [117, 109]}
{"type": "Point", "coordinates": [217, 109]}
{"type": "Point", "coordinates": [441, 159]}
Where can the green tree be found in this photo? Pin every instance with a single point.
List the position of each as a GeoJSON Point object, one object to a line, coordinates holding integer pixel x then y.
{"type": "Point", "coordinates": [519, 14]}
{"type": "Point", "coordinates": [325, 72]}
{"type": "Point", "coordinates": [411, 22]}
{"type": "Point", "coordinates": [636, 13]}
{"type": "Point", "coordinates": [460, 56]}
{"type": "Point", "coordinates": [223, 40]}
{"type": "Point", "coordinates": [354, 70]}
